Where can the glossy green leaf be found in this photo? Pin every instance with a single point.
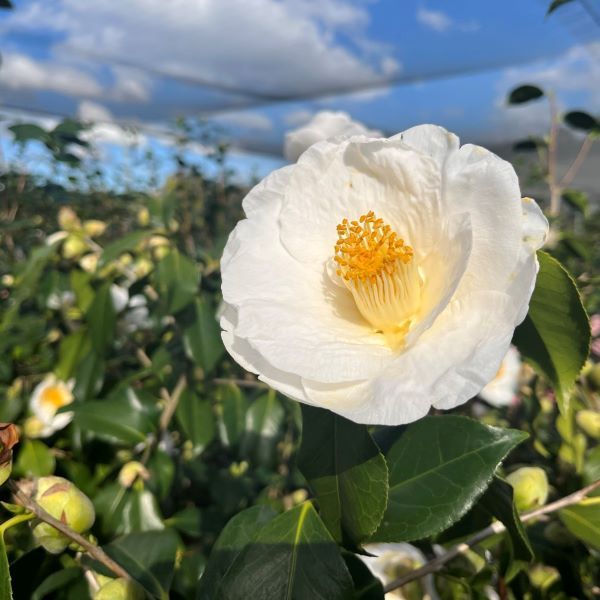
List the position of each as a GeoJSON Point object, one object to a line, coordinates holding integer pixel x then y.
{"type": "Point", "coordinates": [34, 459]}
{"type": "Point", "coordinates": [119, 419]}
{"type": "Point", "coordinates": [498, 501]}
{"type": "Point", "coordinates": [555, 336]}
{"type": "Point", "coordinates": [235, 536]}
{"type": "Point", "coordinates": [84, 293]}
{"type": "Point", "coordinates": [346, 471]}
{"type": "Point", "coordinates": [196, 419]}
{"type": "Point", "coordinates": [438, 468]}
{"type": "Point", "coordinates": [264, 420]}
{"type": "Point", "coordinates": [24, 132]}
{"type": "Point", "coordinates": [177, 280]}
{"type": "Point", "coordinates": [188, 521]}
{"type": "Point", "coordinates": [55, 582]}
{"type": "Point", "coordinates": [366, 585]}
{"type": "Point", "coordinates": [5, 585]}
{"type": "Point", "coordinates": [582, 121]}
{"type": "Point", "coordinates": [101, 318]}
{"type": "Point", "coordinates": [232, 408]}
{"type": "Point", "coordinates": [202, 339]}
{"type": "Point", "coordinates": [524, 93]}
{"type": "Point", "coordinates": [292, 557]}
{"type": "Point", "coordinates": [556, 4]}
{"type": "Point", "coordinates": [583, 520]}
{"type": "Point", "coordinates": [149, 557]}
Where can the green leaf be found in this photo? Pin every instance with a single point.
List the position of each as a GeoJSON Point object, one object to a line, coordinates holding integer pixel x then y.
{"type": "Point", "coordinates": [581, 120]}
{"type": "Point", "coordinates": [84, 293]}
{"type": "Point", "coordinates": [73, 348]}
{"type": "Point", "coordinates": [177, 280]}
{"type": "Point", "coordinates": [438, 468]}
{"type": "Point", "coordinates": [89, 376]}
{"type": "Point", "coordinates": [583, 520]}
{"type": "Point", "coordinates": [346, 471]}
{"type": "Point", "coordinates": [264, 420]}
{"type": "Point", "coordinates": [196, 419]}
{"type": "Point", "coordinates": [119, 419]}
{"type": "Point", "coordinates": [24, 132]}
{"type": "Point", "coordinates": [188, 521]}
{"type": "Point", "coordinates": [555, 4]}
{"type": "Point", "coordinates": [293, 556]}
{"type": "Point", "coordinates": [55, 582]}
{"type": "Point", "coordinates": [126, 243]}
{"type": "Point", "coordinates": [102, 318]}
{"type": "Point", "coordinates": [34, 459]}
{"type": "Point", "coordinates": [235, 536]}
{"type": "Point", "coordinates": [5, 586]}
{"type": "Point", "coordinates": [577, 200]}
{"type": "Point", "coordinates": [524, 93]}
{"type": "Point", "coordinates": [555, 336]}
{"type": "Point", "coordinates": [149, 557]}
{"type": "Point", "coordinates": [366, 585]}
{"type": "Point", "coordinates": [498, 501]}
{"type": "Point", "coordinates": [202, 339]}
{"type": "Point", "coordinates": [232, 407]}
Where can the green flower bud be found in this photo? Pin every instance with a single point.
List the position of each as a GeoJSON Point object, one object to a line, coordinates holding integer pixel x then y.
{"type": "Point", "coordinates": [73, 246]}
{"type": "Point", "coordinates": [593, 377]}
{"type": "Point", "coordinates": [589, 422]}
{"type": "Point", "coordinates": [530, 486]}
{"type": "Point", "coordinates": [5, 471]}
{"type": "Point", "coordinates": [120, 589]}
{"type": "Point", "coordinates": [61, 499]}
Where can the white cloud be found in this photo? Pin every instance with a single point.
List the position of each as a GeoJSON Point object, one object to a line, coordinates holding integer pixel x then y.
{"type": "Point", "coordinates": [246, 120]}
{"type": "Point", "coordinates": [91, 112]}
{"type": "Point", "coordinates": [574, 74]}
{"type": "Point", "coordinates": [21, 72]}
{"type": "Point", "coordinates": [439, 21]}
{"type": "Point", "coordinates": [298, 117]}
{"type": "Point", "coordinates": [264, 45]}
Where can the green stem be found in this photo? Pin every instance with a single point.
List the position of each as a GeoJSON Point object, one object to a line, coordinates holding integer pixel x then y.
{"type": "Point", "coordinates": [15, 521]}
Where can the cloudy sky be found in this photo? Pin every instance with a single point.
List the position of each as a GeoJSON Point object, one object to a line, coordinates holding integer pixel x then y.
{"type": "Point", "coordinates": [259, 67]}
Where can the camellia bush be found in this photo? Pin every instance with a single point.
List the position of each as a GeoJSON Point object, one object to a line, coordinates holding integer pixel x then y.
{"type": "Point", "coordinates": [380, 382]}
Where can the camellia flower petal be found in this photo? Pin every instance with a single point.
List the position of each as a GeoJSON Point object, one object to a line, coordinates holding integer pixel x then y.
{"type": "Point", "coordinates": [502, 390]}
{"type": "Point", "coordinates": [324, 125]}
{"type": "Point", "coordinates": [48, 397]}
{"type": "Point", "coordinates": [380, 277]}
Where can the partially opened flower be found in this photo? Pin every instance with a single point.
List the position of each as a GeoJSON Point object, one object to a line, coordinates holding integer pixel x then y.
{"type": "Point", "coordinates": [48, 397]}
{"type": "Point", "coordinates": [502, 390]}
{"type": "Point", "coordinates": [324, 125]}
{"type": "Point", "coordinates": [380, 277]}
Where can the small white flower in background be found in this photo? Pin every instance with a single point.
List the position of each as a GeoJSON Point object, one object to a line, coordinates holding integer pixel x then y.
{"type": "Point", "coordinates": [380, 277]}
{"type": "Point", "coordinates": [119, 296]}
{"type": "Point", "coordinates": [324, 125]}
{"type": "Point", "coordinates": [502, 390]}
{"type": "Point", "coordinates": [60, 300]}
{"type": "Point", "coordinates": [48, 397]}
{"type": "Point", "coordinates": [391, 561]}
{"type": "Point", "coordinates": [136, 315]}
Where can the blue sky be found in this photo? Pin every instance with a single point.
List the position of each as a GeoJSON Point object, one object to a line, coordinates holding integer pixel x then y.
{"type": "Point", "coordinates": [256, 68]}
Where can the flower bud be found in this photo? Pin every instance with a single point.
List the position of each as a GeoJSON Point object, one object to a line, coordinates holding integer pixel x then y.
{"type": "Point", "coordinates": [8, 438]}
{"type": "Point", "coordinates": [530, 486]}
{"type": "Point", "coordinates": [589, 422]}
{"type": "Point", "coordinates": [120, 589]}
{"type": "Point", "coordinates": [132, 471]}
{"type": "Point", "coordinates": [73, 247]}
{"type": "Point", "coordinates": [67, 219]}
{"type": "Point", "coordinates": [593, 377]}
{"type": "Point", "coordinates": [94, 228]}
{"type": "Point", "coordinates": [61, 499]}
{"type": "Point", "coordinates": [143, 217]}
{"type": "Point", "coordinates": [89, 262]}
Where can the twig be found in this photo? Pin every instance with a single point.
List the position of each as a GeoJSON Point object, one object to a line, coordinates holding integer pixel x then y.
{"type": "Point", "coordinates": [552, 147]}
{"type": "Point", "coordinates": [576, 164]}
{"type": "Point", "coordinates": [93, 550]}
{"type": "Point", "coordinates": [171, 402]}
{"type": "Point", "coordinates": [493, 529]}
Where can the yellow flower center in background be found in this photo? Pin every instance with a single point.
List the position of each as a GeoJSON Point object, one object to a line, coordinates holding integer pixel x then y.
{"type": "Point", "coordinates": [378, 268]}
{"type": "Point", "coordinates": [55, 397]}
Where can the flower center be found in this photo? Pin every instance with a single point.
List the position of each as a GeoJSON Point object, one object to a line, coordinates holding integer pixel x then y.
{"type": "Point", "coordinates": [54, 398]}
{"type": "Point", "coordinates": [378, 268]}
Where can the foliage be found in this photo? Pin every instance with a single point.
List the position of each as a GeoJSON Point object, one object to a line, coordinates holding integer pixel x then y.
{"type": "Point", "coordinates": [205, 483]}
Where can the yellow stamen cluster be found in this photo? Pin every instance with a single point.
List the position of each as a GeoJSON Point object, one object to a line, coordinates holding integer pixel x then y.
{"type": "Point", "coordinates": [55, 397]}
{"type": "Point", "coordinates": [368, 248]}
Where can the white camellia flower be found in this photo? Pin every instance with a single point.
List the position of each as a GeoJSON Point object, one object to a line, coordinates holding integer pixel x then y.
{"type": "Point", "coordinates": [48, 396]}
{"type": "Point", "coordinates": [380, 277]}
{"type": "Point", "coordinates": [324, 125]}
{"type": "Point", "coordinates": [391, 561]}
{"type": "Point", "coordinates": [503, 388]}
